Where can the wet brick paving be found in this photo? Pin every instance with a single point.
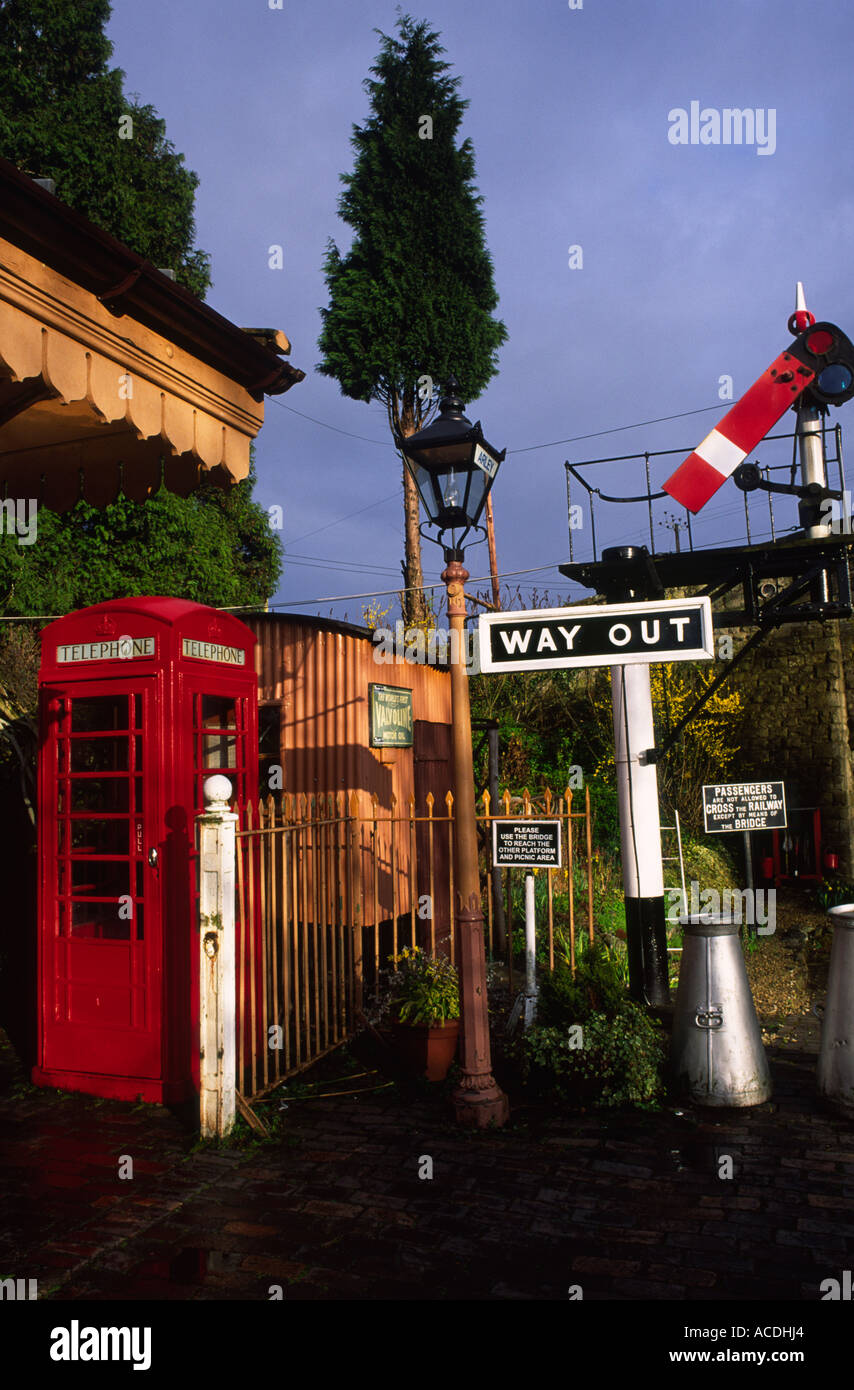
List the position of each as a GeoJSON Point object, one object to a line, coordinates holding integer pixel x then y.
{"type": "Point", "coordinates": [627, 1204]}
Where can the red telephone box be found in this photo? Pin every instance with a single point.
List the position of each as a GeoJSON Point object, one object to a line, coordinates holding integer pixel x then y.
{"type": "Point", "coordinates": [141, 699]}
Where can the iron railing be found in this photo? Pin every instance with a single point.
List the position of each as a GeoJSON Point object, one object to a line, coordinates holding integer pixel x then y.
{"type": "Point", "coordinates": [328, 890]}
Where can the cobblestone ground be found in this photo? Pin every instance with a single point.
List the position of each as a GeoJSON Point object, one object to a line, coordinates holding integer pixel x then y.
{"type": "Point", "coordinates": [626, 1204]}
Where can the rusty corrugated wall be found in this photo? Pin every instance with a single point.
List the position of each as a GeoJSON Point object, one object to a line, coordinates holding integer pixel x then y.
{"type": "Point", "coordinates": [317, 672]}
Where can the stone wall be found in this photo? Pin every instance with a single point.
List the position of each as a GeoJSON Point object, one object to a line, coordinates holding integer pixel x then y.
{"type": "Point", "coordinates": [798, 691]}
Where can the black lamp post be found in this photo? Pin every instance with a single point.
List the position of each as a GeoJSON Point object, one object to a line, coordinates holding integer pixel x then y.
{"type": "Point", "coordinates": [454, 468]}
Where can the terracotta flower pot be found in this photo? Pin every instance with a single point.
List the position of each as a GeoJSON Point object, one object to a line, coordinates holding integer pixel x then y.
{"type": "Point", "coordinates": [428, 1049]}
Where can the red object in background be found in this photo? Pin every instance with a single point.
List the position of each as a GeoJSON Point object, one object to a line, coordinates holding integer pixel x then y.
{"type": "Point", "coordinates": [768, 867]}
{"type": "Point", "coordinates": [831, 861]}
{"type": "Point", "coordinates": [797, 849]}
{"type": "Point", "coordinates": [141, 700]}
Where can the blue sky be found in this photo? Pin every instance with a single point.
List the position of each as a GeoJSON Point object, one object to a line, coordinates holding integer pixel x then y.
{"type": "Point", "coordinates": [690, 252]}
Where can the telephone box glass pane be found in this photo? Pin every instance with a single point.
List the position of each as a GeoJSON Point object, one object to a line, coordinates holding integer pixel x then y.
{"type": "Point", "coordinates": [94, 713]}
{"type": "Point", "coordinates": [218, 712]}
{"type": "Point", "coordinates": [97, 879]}
{"type": "Point", "coordinates": [100, 794]}
{"type": "Point", "coordinates": [99, 837]}
{"type": "Point", "coordinates": [99, 921]}
{"type": "Point", "coordinates": [219, 750]}
{"type": "Point", "coordinates": [99, 755]}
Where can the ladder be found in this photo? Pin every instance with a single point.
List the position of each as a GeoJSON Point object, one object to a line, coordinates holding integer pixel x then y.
{"type": "Point", "coordinates": [676, 858]}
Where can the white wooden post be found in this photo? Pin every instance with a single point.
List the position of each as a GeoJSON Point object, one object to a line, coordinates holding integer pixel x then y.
{"type": "Point", "coordinates": [216, 960]}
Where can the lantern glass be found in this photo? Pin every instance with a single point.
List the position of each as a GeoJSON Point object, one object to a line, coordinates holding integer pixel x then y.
{"type": "Point", "coordinates": [478, 487]}
{"type": "Point", "coordinates": [453, 467]}
{"type": "Point", "coordinates": [431, 497]}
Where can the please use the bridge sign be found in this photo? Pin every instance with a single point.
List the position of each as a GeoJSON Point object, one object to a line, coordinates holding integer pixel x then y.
{"type": "Point", "coordinates": [603, 634]}
{"type": "Point", "coordinates": [526, 844]}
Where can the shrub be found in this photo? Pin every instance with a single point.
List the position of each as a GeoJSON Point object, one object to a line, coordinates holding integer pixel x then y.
{"type": "Point", "coordinates": [618, 1058]}
{"type": "Point", "coordinates": [620, 1061]}
{"type": "Point", "coordinates": [598, 987]}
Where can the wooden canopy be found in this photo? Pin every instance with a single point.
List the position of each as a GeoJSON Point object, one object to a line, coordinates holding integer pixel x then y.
{"type": "Point", "coordinates": [111, 375]}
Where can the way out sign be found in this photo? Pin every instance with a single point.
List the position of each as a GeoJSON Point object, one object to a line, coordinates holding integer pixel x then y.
{"type": "Point", "coordinates": [744, 806]}
{"type": "Point", "coordinates": [526, 844]}
{"type": "Point", "coordinates": [612, 634]}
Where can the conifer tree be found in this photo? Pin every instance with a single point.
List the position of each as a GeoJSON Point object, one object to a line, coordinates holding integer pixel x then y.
{"type": "Point", "coordinates": [410, 303]}
{"type": "Point", "coordinates": [64, 115]}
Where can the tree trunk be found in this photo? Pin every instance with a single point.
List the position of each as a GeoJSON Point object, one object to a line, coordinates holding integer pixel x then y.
{"type": "Point", "coordinates": [414, 601]}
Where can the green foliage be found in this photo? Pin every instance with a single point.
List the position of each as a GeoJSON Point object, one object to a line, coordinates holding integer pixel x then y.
{"type": "Point", "coordinates": [620, 1059]}
{"type": "Point", "coordinates": [552, 720]}
{"type": "Point", "coordinates": [598, 987]}
{"type": "Point", "coordinates": [545, 725]}
{"type": "Point", "coordinates": [707, 861]}
{"type": "Point", "coordinates": [606, 817]}
{"type": "Point", "coordinates": [60, 113]}
{"type": "Point", "coordinates": [413, 295]}
{"type": "Point", "coordinates": [212, 547]}
{"type": "Point", "coordinates": [620, 1062]}
{"type": "Point", "coordinates": [425, 989]}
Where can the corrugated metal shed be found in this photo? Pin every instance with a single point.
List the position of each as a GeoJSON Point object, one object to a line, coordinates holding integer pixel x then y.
{"type": "Point", "coordinates": [314, 713]}
{"type": "Point", "coordinates": [317, 672]}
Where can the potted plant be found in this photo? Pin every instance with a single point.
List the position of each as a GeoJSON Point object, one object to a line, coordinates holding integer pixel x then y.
{"type": "Point", "coordinates": [425, 1011]}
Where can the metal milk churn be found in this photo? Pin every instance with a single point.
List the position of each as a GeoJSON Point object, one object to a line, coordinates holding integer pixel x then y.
{"type": "Point", "coordinates": [716, 1052]}
{"type": "Point", "coordinates": [836, 1054]}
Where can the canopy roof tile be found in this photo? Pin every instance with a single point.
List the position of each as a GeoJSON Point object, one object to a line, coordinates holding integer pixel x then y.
{"type": "Point", "coordinates": [111, 374]}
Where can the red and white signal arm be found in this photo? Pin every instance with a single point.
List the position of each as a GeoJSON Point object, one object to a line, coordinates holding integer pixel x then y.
{"type": "Point", "coordinates": [819, 365]}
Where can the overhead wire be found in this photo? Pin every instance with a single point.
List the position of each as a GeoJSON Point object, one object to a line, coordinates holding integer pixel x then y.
{"type": "Point", "coordinates": [310, 602]}
{"type": "Point", "coordinates": [332, 565]}
{"type": "Point", "coordinates": [529, 448]}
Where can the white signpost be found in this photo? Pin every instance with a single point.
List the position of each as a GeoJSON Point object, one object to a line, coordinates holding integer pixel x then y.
{"type": "Point", "coordinates": [527, 844]}
{"type": "Point", "coordinates": [627, 637]}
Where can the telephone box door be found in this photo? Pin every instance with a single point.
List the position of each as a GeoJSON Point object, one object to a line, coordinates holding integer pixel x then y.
{"type": "Point", "coordinates": [103, 956]}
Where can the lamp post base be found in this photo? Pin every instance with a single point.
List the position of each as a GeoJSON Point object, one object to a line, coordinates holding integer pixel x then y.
{"type": "Point", "coordinates": [483, 1107]}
